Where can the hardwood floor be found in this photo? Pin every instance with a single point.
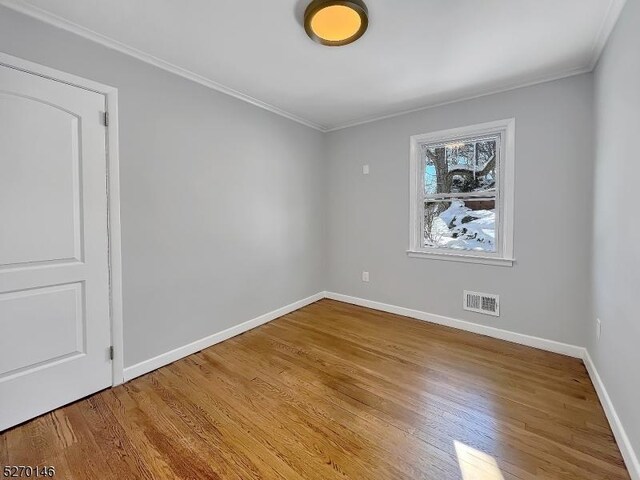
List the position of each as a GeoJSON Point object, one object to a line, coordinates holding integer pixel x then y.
{"type": "Point", "coordinates": [335, 391]}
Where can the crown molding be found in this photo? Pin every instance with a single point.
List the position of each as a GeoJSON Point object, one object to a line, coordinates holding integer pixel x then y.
{"type": "Point", "coordinates": [608, 24]}
{"type": "Point", "coordinates": [59, 22]}
{"type": "Point", "coordinates": [464, 98]}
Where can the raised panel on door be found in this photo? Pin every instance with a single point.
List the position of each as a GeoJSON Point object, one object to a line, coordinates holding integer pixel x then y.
{"type": "Point", "coordinates": [40, 148]}
{"type": "Point", "coordinates": [54, 336]}
{"type": "Point", "coordinates": [54, 272]}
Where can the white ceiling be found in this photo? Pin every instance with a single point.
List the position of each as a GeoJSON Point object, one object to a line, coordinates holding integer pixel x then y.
{"type": "Point", "coordinates": [416, 53]}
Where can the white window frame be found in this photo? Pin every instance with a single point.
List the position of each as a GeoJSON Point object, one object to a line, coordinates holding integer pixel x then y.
{"type": "Point", "coordinates": [504, 194]}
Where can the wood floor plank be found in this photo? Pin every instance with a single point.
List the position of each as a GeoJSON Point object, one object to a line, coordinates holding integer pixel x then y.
{"type": "Point", "coordinates": [336, 391]}
{"type": "Point", "coordinates": [353, 440]}
{"type": "Point", "coordinates": [431, 430]}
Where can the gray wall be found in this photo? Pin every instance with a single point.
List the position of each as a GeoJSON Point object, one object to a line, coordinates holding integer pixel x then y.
{"type": "Point", "coordinates": [229, 211]}
{"type": "Point", "coordinates": [545, 293]}
{"type": "Point", "coordinates": [616, 263]}
{"type": "Point", "coordinates": [222, 202]}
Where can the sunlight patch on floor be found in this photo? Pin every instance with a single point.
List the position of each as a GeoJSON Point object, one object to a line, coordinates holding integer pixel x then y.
{"type": "Point", "coordinates": [476, 465]}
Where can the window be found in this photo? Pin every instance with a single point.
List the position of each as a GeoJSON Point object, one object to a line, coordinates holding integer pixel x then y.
{"type": "Point", "coordinates": [462, 194]}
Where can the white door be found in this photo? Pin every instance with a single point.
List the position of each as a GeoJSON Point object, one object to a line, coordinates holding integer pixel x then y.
{"type": "Point", "coordinates": [54, 272]}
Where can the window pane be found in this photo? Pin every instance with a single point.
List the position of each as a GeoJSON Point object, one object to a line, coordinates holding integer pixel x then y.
{"type": "Point", "coordinates": [460, 167]}
{"type": "Point", "coordinates": [460, 224]}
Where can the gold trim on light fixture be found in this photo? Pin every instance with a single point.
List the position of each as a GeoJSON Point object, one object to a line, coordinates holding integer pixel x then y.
{"type": "Point", "coordinates": [336, 22]}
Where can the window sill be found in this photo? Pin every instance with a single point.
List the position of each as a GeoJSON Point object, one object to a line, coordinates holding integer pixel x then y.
{"type": "Point", "coordinates": [461, 257]}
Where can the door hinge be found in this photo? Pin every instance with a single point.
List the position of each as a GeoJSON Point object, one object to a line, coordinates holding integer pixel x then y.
{"type": "Point", "coordinates": [111, 352]}
{"type": "Point", "coordinates": [105, 118]}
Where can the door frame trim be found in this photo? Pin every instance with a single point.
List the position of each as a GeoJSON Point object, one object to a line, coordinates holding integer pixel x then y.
{"type": "Point", "coordinates": [113, 195]}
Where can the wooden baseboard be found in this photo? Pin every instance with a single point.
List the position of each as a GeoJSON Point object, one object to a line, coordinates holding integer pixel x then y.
{"type": "Point", "coordinates": [630, 457]}
{"type": "Point", "coordinates": [193, 347]}
{"type": "Point", "coordinates": [522, 339]}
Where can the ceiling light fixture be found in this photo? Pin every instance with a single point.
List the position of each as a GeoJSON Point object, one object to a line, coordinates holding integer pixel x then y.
{"type": "Point", "coordinates": [336, 22]}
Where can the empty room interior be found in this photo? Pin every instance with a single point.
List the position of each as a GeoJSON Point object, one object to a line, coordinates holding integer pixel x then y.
{"type": "Point", "coordinates": [320, 239]}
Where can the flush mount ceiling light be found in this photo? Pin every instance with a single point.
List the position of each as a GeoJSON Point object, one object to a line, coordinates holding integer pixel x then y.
{"type": "Point", "coordinates": [336, 22]}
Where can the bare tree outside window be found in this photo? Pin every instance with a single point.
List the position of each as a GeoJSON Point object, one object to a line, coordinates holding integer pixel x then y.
{"type": "Point", "coordinates": [460, 194]}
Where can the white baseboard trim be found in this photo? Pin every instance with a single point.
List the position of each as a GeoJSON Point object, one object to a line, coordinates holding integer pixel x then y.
{"type": "Point", "coordinates": [528, 340]}
{"type": "Point", "coordinates": [630, 457]}
{"type": "Point", "coordinates": [624, 444]}
{"type": "Point", "coordinates": [181, 352]}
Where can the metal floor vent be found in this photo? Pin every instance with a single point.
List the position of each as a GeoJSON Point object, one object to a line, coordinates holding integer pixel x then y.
{"type": "Point", "coordinates": [482, 303]}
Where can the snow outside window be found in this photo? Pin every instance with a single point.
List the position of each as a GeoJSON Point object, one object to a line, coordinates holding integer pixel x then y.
{"type": "Point", "coordinates": [462, 193]}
